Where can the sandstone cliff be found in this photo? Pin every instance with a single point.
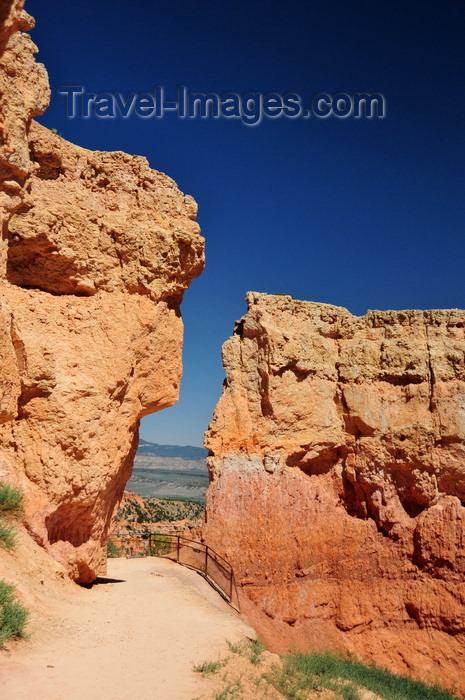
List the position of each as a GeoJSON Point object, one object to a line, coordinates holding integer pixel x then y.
{"type": "Point", "coordinates": [337, 467]}
{"type": "Point", "coordinates": [97, 250]}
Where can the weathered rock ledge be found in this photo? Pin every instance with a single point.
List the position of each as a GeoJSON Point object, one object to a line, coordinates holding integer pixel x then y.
{"type": "Point", "coordinates": [96, 252]}
{"type": "Point", "coordinates": [337, 466]}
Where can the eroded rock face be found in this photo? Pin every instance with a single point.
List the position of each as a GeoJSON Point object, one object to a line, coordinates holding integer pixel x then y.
{"type": "Point", "coordinates": [97, 252]}
{"type": "Point", "coordinates": [24, 94]}
{"type": "Point", "coordinates": [111, 224]}
{"type": "Point", "coordinates": [338, 480]}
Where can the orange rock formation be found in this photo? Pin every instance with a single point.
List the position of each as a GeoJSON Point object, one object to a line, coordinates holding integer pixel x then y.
{"type": "Point", "coordinates": [337, 461]}
{"type": "Point", "coordinates": [97, 250]}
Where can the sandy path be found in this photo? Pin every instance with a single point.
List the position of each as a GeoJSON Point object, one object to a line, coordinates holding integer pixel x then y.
{"type": "Point", "coordinates": [136, 639]}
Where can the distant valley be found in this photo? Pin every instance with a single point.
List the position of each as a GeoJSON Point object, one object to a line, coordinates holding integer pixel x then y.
{"type": "Point", "coordinates": [170, 471]}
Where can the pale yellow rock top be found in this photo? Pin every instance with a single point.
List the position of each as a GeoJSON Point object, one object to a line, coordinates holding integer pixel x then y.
{"type": "Point", "coordinates": [309, 380]}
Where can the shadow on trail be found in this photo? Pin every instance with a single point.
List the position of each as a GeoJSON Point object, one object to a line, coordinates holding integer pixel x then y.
{"type": "Point", "coordinates": [101, 581]}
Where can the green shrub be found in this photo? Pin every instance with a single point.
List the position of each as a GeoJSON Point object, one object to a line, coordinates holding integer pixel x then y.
{"type": "Point", "coordinates": [7, 535]}
{"type": "Point", "coordinates": [11, 504]}
{"type": "Point", "coordinates": [161, 545]}
{"type": "Point", "coordinates": [13, 616]}
{"type": "Point", "coordinates": [113, 551]}
{"type": "Point", "coordinates": [11, 500]}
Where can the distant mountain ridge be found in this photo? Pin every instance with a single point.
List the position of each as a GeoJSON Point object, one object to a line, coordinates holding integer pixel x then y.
{"type": "Point", "coordinates": [170, 471]}
{"type": "Point", "coordinates": [172, 451]}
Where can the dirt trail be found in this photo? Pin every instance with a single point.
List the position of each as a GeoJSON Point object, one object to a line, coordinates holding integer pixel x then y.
{"type": "Point", "coordinates": [137, 636]}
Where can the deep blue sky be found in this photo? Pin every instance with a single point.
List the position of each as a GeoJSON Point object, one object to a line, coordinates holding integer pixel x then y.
{"type": "Point", "coordinates": [358, 213]}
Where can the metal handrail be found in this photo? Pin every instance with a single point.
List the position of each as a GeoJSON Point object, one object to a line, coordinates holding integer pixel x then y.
{"type": "Point", "coordinates": [177, 542]}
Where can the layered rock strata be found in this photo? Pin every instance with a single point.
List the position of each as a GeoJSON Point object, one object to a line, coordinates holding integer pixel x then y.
{"type": "Point", "coordinates": [97, 250]}
{"type": "Point", "coordinates": [337, 466]}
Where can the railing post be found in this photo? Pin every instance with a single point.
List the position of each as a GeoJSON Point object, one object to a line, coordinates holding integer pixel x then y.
{"type": "Point", "coordinates": [230, 586]}
{"type": "Point", "coordinates": [177, 551]}
{"type": "Point", "coordinates": [206, 560]}
{"type": "Point", "coordinates": [150, 544]}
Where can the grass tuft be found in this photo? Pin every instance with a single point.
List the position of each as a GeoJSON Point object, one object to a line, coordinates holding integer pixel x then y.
{"type": "Point", "coordinates": [230, 691]}
{"type": "Point", "coordinates": [254, 651]}
{"type": "Point", "coordinates": [13, 616]}
{"type": "Point", "coordinates": [210, 666]}
{"type": "Point", "coordinates": [7, 535]}
{"type": "Point", "coordinates": [235, 647]}
{"type": "Point", "coordinates": [250, 648]}
{"type": "Point", "coordinates": [303, 672]}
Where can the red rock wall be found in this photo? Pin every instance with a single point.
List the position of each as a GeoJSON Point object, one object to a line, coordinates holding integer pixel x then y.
{"type": "Point", "coordinates": [338, 481]}
{"type": "Point", "coordinates": [97, 251]}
